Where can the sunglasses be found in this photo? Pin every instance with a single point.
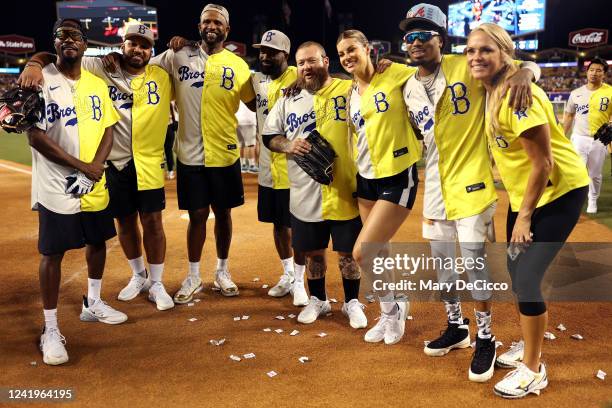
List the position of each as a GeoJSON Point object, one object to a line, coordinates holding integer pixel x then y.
{"type": "Point", "coordinates": [422, 36]}
{"type": "Point", "coordinates": [63, 34]}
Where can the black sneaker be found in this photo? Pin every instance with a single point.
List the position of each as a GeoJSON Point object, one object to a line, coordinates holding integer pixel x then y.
{"type": "Point", "coordinates": [483, 360]}
{"type": "Point", "coordinates": [455, 336]}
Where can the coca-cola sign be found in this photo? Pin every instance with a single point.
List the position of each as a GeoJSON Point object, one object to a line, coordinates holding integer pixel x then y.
{"type": "Point", "coordinates": [588, 38]}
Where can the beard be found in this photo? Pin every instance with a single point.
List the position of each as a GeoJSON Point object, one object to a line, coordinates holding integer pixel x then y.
{"type": "Point", "coordinates": [318, 77]}
{"type": "Point", "coordinates": [129, 60]}
{"type": "Point", "coordinates": [272, 70]}
{"type": "Point", "coordinates": [219, 37]}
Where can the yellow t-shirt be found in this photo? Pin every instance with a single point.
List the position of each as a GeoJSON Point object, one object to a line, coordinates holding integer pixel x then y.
{"type": "Point", "coordinates": [569, 171]}
{"type": "Point", "coordinates": [600, 108]}
{"type": "Point", "coordinates": [150, 111]}
{"type": "Point", "coordinates": [226, 83]}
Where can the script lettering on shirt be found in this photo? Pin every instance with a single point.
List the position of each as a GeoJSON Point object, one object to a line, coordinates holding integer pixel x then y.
{"type": "Point", "coordinates": [294, 121]}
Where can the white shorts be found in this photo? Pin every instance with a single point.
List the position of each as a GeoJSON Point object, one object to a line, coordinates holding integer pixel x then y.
{"type": "Point", "coordinates": [247, 135]}
{"type": "Point", "coordinates": [477, 228]}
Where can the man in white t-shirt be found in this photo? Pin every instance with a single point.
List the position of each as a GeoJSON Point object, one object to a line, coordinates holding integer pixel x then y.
{"type": "Point", "coordinates": [587, 108]}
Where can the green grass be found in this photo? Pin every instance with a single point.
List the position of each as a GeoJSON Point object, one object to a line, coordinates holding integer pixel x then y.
{"type": "Point", "coordinates": [14, 147]}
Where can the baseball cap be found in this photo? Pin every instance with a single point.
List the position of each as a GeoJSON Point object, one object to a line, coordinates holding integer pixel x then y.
{"type": "Point", "coordinates": [274, 39]}
{"type": "Point", "coordinates": [139, 30]}
{"type": "Point", "coordinates": [70, 22]}
{"type": "Point", "coordinates": [219, 9]}
{"type": "Point", "coordinates": [424, 14]}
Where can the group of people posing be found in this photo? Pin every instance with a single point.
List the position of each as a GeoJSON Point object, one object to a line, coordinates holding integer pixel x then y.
{"type": "Point", "coordinates": [106, 119]}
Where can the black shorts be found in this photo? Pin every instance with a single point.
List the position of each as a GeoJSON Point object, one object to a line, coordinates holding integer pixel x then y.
{"type": "Point", "coordinates": [273, 206]}
{"type": "Point", "coordinates": [200, 186]}
{"type": "Point", "coordinates": [125, 199]}
{"type": "Point", "coordinates": [312, 236]}
{"type": "Point", "coordinates": [399, 189]}
{"type": "Point", "coordinates": [57, 233]}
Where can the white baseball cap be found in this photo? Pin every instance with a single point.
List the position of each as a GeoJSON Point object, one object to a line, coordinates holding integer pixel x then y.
{"type": "Point", "coordinates": [219, 9]}
{"type": "Point", "coordinates": [274, 39]}
{"type": "Point", "coordinates": [424, 13]}
{"type": "Point", "coordinates": [139, 30]}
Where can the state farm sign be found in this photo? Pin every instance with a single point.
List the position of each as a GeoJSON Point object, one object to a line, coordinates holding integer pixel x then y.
{"type": "Point", "coordinates": [17, 44]}
{"type": "Point", "coordinates": [588, 38]}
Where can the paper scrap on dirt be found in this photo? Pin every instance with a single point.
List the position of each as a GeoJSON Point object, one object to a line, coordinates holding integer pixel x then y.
{"type": "Point", "coordinates": [267, 329]}
{"type": "Point", "coordinates": [235, 358]}
{"type": "Point", "coordinates": [577, 337]}
{"type": "Point", "coordinates": [549, 336]}
{"type": "Point", "coordinates": [245, 317]}
{"type": "Point", "coordinates": [303, 359]}
{"type": "Point", "coordinates": [265, 286]}
{"type": "Point", "coordinates": [272, 374]}
{"type": "Point", "coordinates": [236, 318]}
{"type": "Point", "coordinates": [322, 334]}
{"type": "Point", "coordinates": [216, 342]}
{"type": "Point", "coordinates": [249, 355]}
{"type": "Point", "coordinates": [329, 314]}
{"type": "Point", "coordinates": [291, 316]}
{"type": "Point", "coordinates": [332, 300]}
{"type": "Point", "coordinates": [190, 304]}
{"type": "Point", "coordinates": [33, 363]}
{"type": "Point", "coordinates": [294, 333]}
{"type": "Point", "coordinates": [601, 375]}
{"type": "Point", "coordinates": [409, 317]}
{"type": "Point", "coordinates": [193, 319]}
{"type": "Point", "coordinates": [197, 300]}
{"type": "Point", "coordinates": [255, 279]}
{"type": "Point", "coordinates": [279, 331]}
{"type": "Point", "coordinates": [279, 317]}
{"type": "Point", "coordinates": [561, 327]}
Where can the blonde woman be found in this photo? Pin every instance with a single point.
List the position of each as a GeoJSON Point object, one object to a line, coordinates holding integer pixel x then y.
{"type": "Point", "coordinates": [387, 150]}
{"type": "Point", "coordinates": [547, 184]}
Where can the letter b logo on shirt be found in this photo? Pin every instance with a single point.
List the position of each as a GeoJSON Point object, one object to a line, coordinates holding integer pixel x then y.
{"type": "Point", "coordinates": [227, 80]}
{"type": "Point", "coordinates": [459, 98]}
{"type": "Point", "coordinates": [603, 105]}
{"type": "Point", "coordinates": [96, 110]}
{"type": "Point", "coordinates": [152, 94]}
{"type": "Point", "coordinates": [339, 105]}
{"type": "Point", "coordinates": [380, 99]}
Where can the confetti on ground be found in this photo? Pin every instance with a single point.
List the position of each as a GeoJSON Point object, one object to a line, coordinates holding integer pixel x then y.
{"type": "Point", "coordinates": [409, 317]}
{"type": "Point", "coordinates": [291, 316]}
{"type": "Point", "coordinates": [255, 279]}
{"type": "Point", "coordinates": [498, 344]}
{"type": "Point", "coordinates": [561, 327]}
{"type": "Point", "coordinates": [267, 329]}
{"type": "Point", "coordinates": [272, 374]}
{"type": "Point", "coordinates": [332, 300]}
{"type": "Point", "coordinates": [279, 331]}
{"type": "Point", "coordinates": [216, 289]}
{"type": "Point", "coordinates": [235, 358]}
{"type": "Point", "coordinates": [577, 337]}
{"type": "Point", "coordinates": [303, 359]}
{"type": "Point", "coordinates": [426, 342]}
{"type": "Point", "coordinates": [328, 314]}
{"type": "Point", "coordinates": [197, 300]}
{"type": "Point", "coordinates": [249, 355]}
{"type": "Point", "coordinates": [265, 286]}
{"type": "Point", "coordinates": [549, 336]}
{"type": "Point", "coordinates": [190, 304]}
{"type": "Point", "coordinates": [236, 318]}
{"type": "Point", "coordinates": [280, 317]}
{"type": "Point", "coordinates": [193, 319]}
{"type": "Point", "coordinates": [601, 375]}
{"type": "Point", "coordinates": [34, 364]}
{"type": "Point", "coordinates": [216, 342]}
{"type": "Point", "coordinates": [322, 334]}
{"type": "Point", "coordinates": [294, 333]}
{"type": "Point", "coordinates": [245, 317]}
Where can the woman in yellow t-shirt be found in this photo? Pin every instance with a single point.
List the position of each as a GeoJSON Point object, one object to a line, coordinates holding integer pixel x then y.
{"type": "Point", "coordinates": [547, 185]}
{"type": "Point", "coordinates": [386, 151]}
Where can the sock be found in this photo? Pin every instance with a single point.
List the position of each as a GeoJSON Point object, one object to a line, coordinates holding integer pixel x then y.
{"type": "Point", "coordinates": [242, 161]}
{"type": "Point", "coordinates": [222, 264]}
{"type": "Point", "coordinates": [389, 307]}
{"type": "Point", "coordinates": [317, 288]}
{"type": "Point", "coordinates": [50, 318]}
{"type": "Point", "coordinates": [288, 266]}
{"type": "Point", "coordinates": [194, 269]}
{"type": "Point", "coordinates": [351, 289]}
{"type": "Point", "coordinates": [299, 272]}
{"type": "Point", "coordinates": [453, 312]}
{"type": "Point", "coordinates": [93, 289]}
{"type": "Point", "coordinates": [157, 271]}
{"type": "Point", "coordinates": [138, 266]}
{"type": "Point", "coordinates": [483, 321]}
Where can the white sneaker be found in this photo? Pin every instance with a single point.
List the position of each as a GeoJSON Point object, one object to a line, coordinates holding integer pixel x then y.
{"type": "Point", "coordinates": [592, 207]}
{"type": "Point", "coordinates": [513, 357]}
{"type": "Point", "coordinates": [170, 175]}
{"type": "Point", "coordinates": [521, 382]}
{"type": "Point", "coordinates": [397, 323]}
{"type": "Point", "coordinates": [300, 297]}
{"type": "Point", "coordinates": [283, 286]}
{"type": "Point", "coordinates": [354, 311]}
{"type": "Point", "coordinates": [159, 296]}
{"type": "Point", "coordinates": [223, 281]}
{"type": "Point", "coordinates": [52, 345]}
{"type": "Point", "coordinates": [314, 309]}
{"type": "Point", "coordinates": [135, 286]}
{"type": "Point", "coordinates": [190, 286]}
{"type": "Point", "coordinates": [100, 311]}
{"type": "Point", "coordinates": [253, 169]}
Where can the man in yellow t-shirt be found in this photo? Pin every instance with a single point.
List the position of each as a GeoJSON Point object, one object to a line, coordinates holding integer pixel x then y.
{"type": "Point", "coordinates": [73, 139]}
{"type": "Point", "coordinates": [209, 82]}
{"type": "Point", "coordinates": [141, 94]}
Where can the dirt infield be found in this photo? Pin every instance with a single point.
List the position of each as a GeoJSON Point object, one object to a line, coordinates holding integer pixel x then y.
{"type": "Point", "coordinates": [161, 359]}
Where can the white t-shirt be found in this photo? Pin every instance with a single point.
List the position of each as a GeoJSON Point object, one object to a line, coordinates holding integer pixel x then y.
{"type": "Point", "coordinates": [245, 116]}
{"type": "Point", "coordinates": [578, 103]}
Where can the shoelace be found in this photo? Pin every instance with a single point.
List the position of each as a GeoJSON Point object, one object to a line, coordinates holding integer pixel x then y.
{"type": "Point", "coordinates": [382, 319]}
{"type": "Point", "coordinates": [224, 275]}
{"type": "Point", "coordinates": [516, 347]}
{"type": "Point", "coordinates": [187, 286]}
{"type": "Point", "coordinates": [56, 334]}
{"type": "Point", "coordinates": [101, 308]}
{"type": "Point", "coordinates": [354, 306]}
{"type": "Point", "coordinates": [520, 371]}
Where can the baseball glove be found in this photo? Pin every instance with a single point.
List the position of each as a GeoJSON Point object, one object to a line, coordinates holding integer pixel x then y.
{"type": "Point", "coordinates": [604, 134]}
{"type": "Point", "coordinates": [78, 184]}
{"type": "Point", "coordinates": [20, 109]}
{"type": "Point", "coordinates": [319, 162]}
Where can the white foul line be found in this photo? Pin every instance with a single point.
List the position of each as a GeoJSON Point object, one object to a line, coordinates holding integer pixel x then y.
{"type": "Point", "coordinates": [17, 169]}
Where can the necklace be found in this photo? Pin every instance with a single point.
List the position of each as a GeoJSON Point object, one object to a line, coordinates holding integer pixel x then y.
{"type": "Point", "coordinates": [429, 82]}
